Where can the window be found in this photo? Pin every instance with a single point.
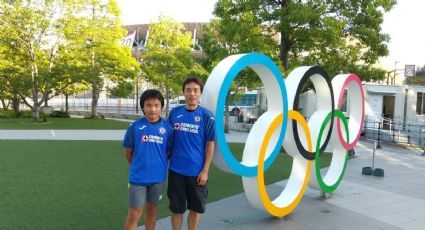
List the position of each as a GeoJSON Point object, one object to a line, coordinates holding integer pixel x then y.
{"type": "Point", "coordinates": [419, 103]}
{"type": "Point", "coordinates": [344, 102]}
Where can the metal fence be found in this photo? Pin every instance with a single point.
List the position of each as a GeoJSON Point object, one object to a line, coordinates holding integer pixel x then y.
{"type": "Point", "coordinates": [398, 131]}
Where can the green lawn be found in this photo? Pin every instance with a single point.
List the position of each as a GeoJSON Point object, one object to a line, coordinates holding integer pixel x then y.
{"type": "Point", "coordinates": [62, 123]}
{"type": "Point", "coordinates": [83, 184]}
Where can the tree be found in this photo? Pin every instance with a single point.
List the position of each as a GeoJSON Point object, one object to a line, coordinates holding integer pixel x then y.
{"type": "Point", "coordinates": [221, 40]}
{"type": "Point", "coordinates": [168, 58]}
{"type": "Point", "coordinates": [97, 37]}
{"type": "Point", "coordinates": [336, 34]}
{"type": "Point", "coordinates": [31, 34]}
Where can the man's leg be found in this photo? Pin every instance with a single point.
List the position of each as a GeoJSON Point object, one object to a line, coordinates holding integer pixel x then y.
{"type": "Point", "coordinates": [176, 221]}
{"type": "Point", "coordinates": [151, 215]}
{"type": "Point", "coordinates": [133, 217]}
{"type": "Point", "coordinates": [177, 196]}
{"type": "Point", "coordinates": [193, 220]}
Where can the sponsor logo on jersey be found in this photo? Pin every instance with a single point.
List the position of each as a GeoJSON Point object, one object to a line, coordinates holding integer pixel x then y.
{"type": "Point", "coordinates": [185, 127]}
{"type": "Point", "coordinates": [161, 130]}
{"type": "Point", "coordinates": [153, 139]}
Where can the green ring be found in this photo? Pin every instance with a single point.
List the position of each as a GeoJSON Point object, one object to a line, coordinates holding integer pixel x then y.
{"type": "Point", "coordinates": [323, 186]}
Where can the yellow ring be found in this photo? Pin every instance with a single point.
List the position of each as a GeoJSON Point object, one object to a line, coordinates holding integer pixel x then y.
{"type": "Point", "coordinates": [268, 204]}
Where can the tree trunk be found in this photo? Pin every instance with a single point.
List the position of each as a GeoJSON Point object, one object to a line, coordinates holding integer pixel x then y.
{"type": "Point", "coordinates": [167, 104]}
{"type": "Point", "coordinates": [15, 103]}
{"type": "Point", "coordinates": [46, 101]}
{"type": "Point", "coordinates": [66, 103]}
{"type": "Point", "coordinates": [284, 40]}
{"type": "Point", "coordinates": [95, 98]}
{"type": "Point", "coordinates": [36, 112]}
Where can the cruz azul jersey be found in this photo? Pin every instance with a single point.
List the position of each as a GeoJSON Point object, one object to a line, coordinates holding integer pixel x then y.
{"type": "Point", "coordinates": [192, 130]}
{"type": "Point", "coordinates": [149, 142]}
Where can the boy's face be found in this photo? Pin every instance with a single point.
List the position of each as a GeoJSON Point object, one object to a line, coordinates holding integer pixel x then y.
{"type": "Point", "coordinates": [192, 94]}
{"type": "Point", "coordinates": [152, 109]}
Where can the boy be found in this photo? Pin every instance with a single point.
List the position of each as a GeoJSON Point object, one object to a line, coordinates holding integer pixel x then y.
{"type": "Point", "coordinates": [146, 143]}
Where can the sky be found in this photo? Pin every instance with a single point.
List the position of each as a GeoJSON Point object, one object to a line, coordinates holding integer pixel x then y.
{"type": "Point", "coordinates": [402, 23]}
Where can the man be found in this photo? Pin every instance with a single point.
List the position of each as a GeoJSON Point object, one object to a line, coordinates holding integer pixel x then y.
{"type": "Point", "coordinates": [191, 156]}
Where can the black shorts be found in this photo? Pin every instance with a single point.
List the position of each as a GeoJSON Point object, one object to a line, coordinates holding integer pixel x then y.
{"type": "Point", "coordinates": [182, 189]}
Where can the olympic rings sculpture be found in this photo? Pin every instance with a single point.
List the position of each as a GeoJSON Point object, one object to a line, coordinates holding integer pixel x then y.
{"type": "Point", "coordinates": [283, 126]}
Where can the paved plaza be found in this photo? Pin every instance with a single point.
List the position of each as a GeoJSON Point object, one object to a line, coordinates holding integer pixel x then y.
{"type": "Point", "coordinates": [395, 201]}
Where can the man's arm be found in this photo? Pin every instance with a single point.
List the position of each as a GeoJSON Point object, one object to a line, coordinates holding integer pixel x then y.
{"type": "Point", "coordinates": [129, 154]}
{"type": "Point", "coordinates": [203, 176]}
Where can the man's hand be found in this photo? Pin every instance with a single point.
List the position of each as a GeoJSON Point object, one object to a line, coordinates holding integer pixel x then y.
{"type": "Point", "coordinates": [202, 178]}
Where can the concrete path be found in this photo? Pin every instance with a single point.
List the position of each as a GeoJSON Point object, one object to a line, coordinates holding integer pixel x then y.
{"type": "Point", "coordinates": [395, 201]}
{"type": "Point", "coordinates": [233, 136]}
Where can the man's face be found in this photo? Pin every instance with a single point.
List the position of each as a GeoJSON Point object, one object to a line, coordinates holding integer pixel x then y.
{"type": "Point", "coordinates": [192, 94]}
{"type": "Point", "coordinates": [152, 109]}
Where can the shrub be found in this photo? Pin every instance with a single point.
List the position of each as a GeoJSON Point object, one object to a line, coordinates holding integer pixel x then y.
{"type": "Point", "coordinates": [60, 114]}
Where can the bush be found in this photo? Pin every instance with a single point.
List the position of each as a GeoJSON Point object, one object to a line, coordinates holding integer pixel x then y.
{"type": "Point", "coordinates": [19, 114]}
{"type": "Point", "coordinates": [60, 114]}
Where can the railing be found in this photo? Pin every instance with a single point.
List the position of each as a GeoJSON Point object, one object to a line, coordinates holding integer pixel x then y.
{"type": "Point", "coordinates": [399, 131]}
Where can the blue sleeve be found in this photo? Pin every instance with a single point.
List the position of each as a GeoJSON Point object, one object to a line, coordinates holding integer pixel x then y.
{"type": "Point", "coordinates": [210, 128]}
{"type": "Point", "coordinates": [128, 141]}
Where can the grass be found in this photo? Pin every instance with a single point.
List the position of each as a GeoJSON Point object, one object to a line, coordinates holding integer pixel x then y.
{"type": "Point", "coordinates": [62, 123]}
{"type": "Point", "coordinates": [83, 184]}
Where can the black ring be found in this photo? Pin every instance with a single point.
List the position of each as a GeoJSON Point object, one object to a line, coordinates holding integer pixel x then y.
{"type": "Point", "coordinates": [309, 73]}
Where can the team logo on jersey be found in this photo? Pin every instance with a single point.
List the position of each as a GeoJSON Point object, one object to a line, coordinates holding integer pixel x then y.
{"type": "Point", "coordinates": [145, 138]}
{"type": "Point", "coordinates": [177, 126]}
{"type": "Point", "coordinates": [197, 118]}
{"type": "Point", "coordinates": [161, 130]}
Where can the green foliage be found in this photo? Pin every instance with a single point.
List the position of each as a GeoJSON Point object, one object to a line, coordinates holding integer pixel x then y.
{"type": "Point", "coordinates": [336, 35]}
{"type": "Point", "coordinates": [168, 60]}
{"type": "Point", "coordinates": [19, 114]}
{"type": "Point", "coordinates": [48, 46]}
{"type": "Point", "coordinates": [59, 114]}
{"type": "Point", "coordinates": [123, 89]}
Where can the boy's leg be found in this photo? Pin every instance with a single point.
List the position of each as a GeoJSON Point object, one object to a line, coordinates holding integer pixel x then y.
{"type": "Point", "coordinates": [151, 215]}
{"type": "Point", "coordinates": [133, 218]}
{"type": "Point", "coordinates": [153, 196]}
{"type": "Point", "coordinates": [136, 200]}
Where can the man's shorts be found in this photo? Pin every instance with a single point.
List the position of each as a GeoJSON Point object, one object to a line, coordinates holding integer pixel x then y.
{"type": "Point", "coordinates": [137, 194]}
{"type": "Point", "coordinates": [182, 189]}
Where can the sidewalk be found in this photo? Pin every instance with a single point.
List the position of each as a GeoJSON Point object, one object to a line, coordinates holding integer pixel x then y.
{"type": "Point", "coordinates": [233, 136]}
{"type": "Point", "coordinates": [395, 201]}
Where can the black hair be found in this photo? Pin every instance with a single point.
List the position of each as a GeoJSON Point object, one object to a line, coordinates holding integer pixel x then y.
{"type": "Point", "coordinates": [195, 80]}
{"type": "Point", "coordinates": [149, 94]}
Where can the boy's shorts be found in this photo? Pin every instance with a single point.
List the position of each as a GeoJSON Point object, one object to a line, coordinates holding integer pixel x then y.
{"type": "Point", "coordinates": [137, 194]}
{"type": "Point", "coordinates": [182, 189]}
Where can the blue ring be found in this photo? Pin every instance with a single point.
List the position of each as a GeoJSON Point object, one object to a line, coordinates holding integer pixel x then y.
{"type": "Point", "coordinates": [243, 62]}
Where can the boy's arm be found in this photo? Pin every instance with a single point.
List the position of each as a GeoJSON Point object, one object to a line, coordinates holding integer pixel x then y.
{"type": "Point", "coordinates": [129, 154]}
{"type": "Point", "coordinates": [203, 176]}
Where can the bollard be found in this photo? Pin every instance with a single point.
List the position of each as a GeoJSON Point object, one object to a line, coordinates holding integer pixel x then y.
{"type": "Point", "coordinates": [379, 136]}
{"type": "Point", "coordinates": [372, 170]}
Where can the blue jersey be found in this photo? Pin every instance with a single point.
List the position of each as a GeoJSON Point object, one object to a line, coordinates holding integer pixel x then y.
{"type": "Point", "coordinates": [149, 142]}
{"type": "Point", "coordinates": [192, 130]}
